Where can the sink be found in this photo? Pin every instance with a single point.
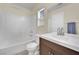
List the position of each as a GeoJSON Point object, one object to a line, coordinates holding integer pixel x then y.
{"type": "Point", "coordinates": [67, 40]}
{"type": "Point", "coordinates": [67, 37]}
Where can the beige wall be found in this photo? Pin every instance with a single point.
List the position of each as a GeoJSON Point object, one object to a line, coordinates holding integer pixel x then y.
{"type": "Point", "coordinates": [71, 13]}
{"type": "Point", "coordinates": [44, 28]}
{"type": "Point", "coordinates": [14, 9]}
{"type": "Point", "coordinates": [40, 29]}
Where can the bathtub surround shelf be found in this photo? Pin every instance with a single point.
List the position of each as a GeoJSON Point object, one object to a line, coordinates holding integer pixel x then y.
{"type": "Point", "coordinates": [56, 46]}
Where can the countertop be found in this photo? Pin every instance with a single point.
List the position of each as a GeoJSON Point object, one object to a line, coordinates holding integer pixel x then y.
{"type": "Point", "coordinates": [70, 41]}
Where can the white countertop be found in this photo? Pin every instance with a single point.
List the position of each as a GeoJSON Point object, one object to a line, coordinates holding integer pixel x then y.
{"type": "Point", "coordinates": [68, 40]}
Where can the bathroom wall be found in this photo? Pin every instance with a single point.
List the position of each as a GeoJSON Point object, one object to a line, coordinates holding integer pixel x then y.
{"type": "Point", "coordinates": [41, 29]}
{"type": "Point", "coordinates": [71, 14]}
{"type": "Point", "coordinates": [16, 25]}
{"type": "Point", "coordinates": [56, 21]}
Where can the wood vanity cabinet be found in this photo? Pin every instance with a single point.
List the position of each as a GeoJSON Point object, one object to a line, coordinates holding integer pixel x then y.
{"type": "Point", "coordinates": [50, 48]}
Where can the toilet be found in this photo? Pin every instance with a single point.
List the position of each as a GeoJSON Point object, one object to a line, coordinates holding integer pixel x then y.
{"type": "Point", "coordinates": [31, 48]}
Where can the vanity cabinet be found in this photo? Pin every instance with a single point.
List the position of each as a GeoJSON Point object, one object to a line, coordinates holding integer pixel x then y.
{"type": "Point", "coordinates": [51, 48]}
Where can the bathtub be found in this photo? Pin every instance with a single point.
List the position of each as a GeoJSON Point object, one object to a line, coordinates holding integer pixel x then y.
{"type": "Point", "coordinates": [15, 32]}
{"type": "Point", "coordinates": [9, 48]}
{"type": "Point", "coordinates": [13, 43]}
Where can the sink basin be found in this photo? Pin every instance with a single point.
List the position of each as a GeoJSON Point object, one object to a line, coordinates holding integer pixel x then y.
{"type": "Point", "coordinates": [67, 38]}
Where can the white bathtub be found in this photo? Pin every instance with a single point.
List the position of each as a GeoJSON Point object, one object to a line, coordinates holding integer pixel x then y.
{"type": "Point", "coordinates": [8, 48]}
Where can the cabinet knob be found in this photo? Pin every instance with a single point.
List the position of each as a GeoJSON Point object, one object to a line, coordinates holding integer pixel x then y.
{"type": "Point", "coordinates": [50, 53]}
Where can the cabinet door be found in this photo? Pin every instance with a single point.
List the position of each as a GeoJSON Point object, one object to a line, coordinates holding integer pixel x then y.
{"type": "Point", "coordinates": [57, 53]}
{"type": "Point", "coordinates": [50, 48]}
{"type": "Point", "coordinates": [44, 50]}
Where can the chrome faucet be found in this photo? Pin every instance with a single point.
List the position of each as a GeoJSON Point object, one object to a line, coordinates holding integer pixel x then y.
{"type": "Point", "coordinates": [60, 31]}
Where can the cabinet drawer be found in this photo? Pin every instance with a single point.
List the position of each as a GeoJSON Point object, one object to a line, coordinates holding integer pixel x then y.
{"type": "Point", "coordinates": [58, 49]}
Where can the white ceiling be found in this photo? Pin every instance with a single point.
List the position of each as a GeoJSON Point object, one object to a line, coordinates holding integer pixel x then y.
{"type": "Point", "coordinates": [31, 6]}
{"type": "Point", "coordinates": [47, 5]}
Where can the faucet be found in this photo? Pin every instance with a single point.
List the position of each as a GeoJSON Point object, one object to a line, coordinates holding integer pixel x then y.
{"type": "Point", "coordinates": [60, 31]}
